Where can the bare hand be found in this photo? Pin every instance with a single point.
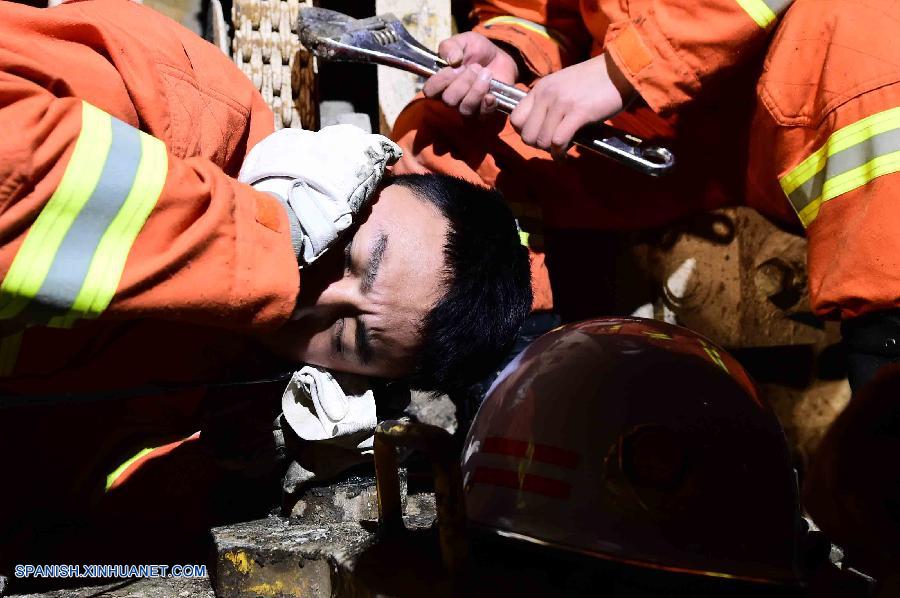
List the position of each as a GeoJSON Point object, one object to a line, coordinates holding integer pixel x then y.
{"type": "Point", "coordinates": [465, 85]}
{"type": "Point", "coordinates": [563, 102]}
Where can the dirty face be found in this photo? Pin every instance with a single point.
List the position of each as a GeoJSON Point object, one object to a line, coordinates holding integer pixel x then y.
{"type": "Point", "coordinates": [362, 302]}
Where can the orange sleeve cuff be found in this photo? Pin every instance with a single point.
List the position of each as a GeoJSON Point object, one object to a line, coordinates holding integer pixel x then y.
{"type": "Point", "coordinates": [267, 262]}
{"type": "Point", "coordinates": [651, 64]}
{"type": "Point", "coordinates": [540, 54]}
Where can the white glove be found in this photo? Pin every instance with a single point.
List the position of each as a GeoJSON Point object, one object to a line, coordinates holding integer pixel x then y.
{"type": "Point", "coordinates": [334, 415]}
{"type": "Point", "coordinates": [335, 408]}
{"type": "Point", "coordinates": [322, 177]}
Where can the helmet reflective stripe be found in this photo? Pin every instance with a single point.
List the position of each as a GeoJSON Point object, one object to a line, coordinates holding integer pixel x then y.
{"type": "Point", "coordinates": [72, 258]}
{"type": "Point", "coordinates": [515, 467]}
{"type": "Point", "coordinates": [526, 482]}
{"type": "Point", "coordinates": [534, 452]}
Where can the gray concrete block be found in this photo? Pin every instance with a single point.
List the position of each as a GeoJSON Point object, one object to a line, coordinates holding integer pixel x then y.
{"type": "Point", "coordinates": [357, 119]}
{"type": "Point", "coordinates": [288, 559]}
{"type": "Point", "coordinates": [316, 551]}
{"type": "Point", "coordinates": [339, 112]}
{"type": "Point", "coordinates": [278, 557]}
{"type": "Point", "coordinates": [330, 109]}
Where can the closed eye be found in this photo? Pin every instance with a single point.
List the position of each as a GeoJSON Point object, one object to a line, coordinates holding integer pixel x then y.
{"type": "Point", "coordinates": [348, 257]}
{"type": "Point", "coordinates": [337, 339]}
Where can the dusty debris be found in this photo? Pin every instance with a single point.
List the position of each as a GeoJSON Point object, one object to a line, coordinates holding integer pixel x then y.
{"type": "Point", "coordinates": [351, 499]}
{"type": "Point", "coordinates": [436, 410]}
{"type": "Point", "coordinates": [137, 588]}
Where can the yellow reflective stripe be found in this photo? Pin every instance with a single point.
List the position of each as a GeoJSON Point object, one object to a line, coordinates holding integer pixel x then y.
{"type": "Point", "coordinates": [34, 258]}
{"type": "Point", "coordinates": [111, 478]}
{"type": "Point", "coordinates": [764, 12]}
{"type": "Point", "coordinates": [805, 170]}
{"type": "Point", "coordinates": [9, 352]}
{"type": "Point", "coordinates": [838, 141]}
{"type": "Point", "coordinates": [849, 181]}
{"type": "Point", "coordinates": [523, 23]}
{"type": "Point", "coordinates": [545, 32]}
{"type": "Point", "coordinates": [758, 11]}
{"type": "Point", "coordinates": [109, 260]}
{"type": "Point", "coordinates": [72, 259]}
{"type": "Point", "coordinates": [523, 237]}
{"type": "Point", "coordinates": [850, 158]}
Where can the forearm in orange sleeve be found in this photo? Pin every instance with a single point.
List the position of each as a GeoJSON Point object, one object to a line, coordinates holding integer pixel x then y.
{"type": "Point", "coordinates": [549, 36]}
{"type": "Point", "coordinates": [99, 220]}
{"type": "Point", "coordinates": [670, 50]}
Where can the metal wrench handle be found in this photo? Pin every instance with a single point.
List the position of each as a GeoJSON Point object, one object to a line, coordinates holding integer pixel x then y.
{"type": "Point", "coordinates": [600, 137]}
{"type": "Point", "coordinates": [384, 40]}
{"type": "Point", "coordinates": [653, 160]}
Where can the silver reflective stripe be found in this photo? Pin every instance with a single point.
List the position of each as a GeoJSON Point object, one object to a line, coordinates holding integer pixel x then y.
{"type": "Point", "coordinates": [73, 258]}
{"type": "Point", "coordinates": [778, 6]}
{"type": "Point", "coordinates": [764, 12]}
{"type": "Point", "coordinates": [845, 161]}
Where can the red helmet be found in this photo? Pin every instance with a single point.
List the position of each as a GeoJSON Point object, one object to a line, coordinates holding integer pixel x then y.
{"type": "Point", "coordinates": [640, 442]}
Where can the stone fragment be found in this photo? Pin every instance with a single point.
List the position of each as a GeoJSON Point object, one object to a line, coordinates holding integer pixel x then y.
{"type": "Point", "coordinates": [430, 22]}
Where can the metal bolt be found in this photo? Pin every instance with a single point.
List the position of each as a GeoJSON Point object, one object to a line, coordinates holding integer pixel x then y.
{"type": "Point", "coordinates": [780, 282]}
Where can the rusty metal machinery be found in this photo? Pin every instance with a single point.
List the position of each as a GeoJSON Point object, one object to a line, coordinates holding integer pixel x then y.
{"type": "Point", "coordinates": [737, 278]}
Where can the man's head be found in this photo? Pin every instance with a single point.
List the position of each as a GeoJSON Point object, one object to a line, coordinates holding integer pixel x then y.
{"type": "Point", "coordinates": [430, 287]}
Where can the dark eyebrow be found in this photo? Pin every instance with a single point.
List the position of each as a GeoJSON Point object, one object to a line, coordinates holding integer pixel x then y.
{"type": "Point", "coordinates": [375, 257]}
{"type": "Point", "coordinates": [363, 342]}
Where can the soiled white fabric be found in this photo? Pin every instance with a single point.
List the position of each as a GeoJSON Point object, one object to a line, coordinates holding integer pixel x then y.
{"type": "Point", "coordinates": [335, 408]}
{"type": "Point", "coordinates": [335, 414]}
{"type": "Point", "coordinates": [324, 177]}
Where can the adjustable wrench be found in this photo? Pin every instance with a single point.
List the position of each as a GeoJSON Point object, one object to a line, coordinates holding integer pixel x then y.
{"type": "Point", "coordinates": [384, 40]}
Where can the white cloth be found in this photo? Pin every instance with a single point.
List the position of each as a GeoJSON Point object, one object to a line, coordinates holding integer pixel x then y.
{"type": "Point", "coordinates": [324, 176]}
{"type": "Point", "coordinates": [336, 414]}
{"type": "Point", "coordinates": [335, 408]}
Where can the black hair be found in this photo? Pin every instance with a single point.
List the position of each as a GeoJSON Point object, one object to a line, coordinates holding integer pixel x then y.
{"type": "Point", "coordinates": [487, 285]}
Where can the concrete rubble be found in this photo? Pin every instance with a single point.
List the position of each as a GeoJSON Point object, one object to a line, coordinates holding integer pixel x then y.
{"type": "Point", "coordinates": [316, 551]}
{"type": "Point", "coordinates": [137, 588]}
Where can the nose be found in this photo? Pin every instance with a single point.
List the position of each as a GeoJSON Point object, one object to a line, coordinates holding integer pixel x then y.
{"type": "Point", "coordinates": [335, 299]}
{"type": "Point", "coordinates": [342, 294]}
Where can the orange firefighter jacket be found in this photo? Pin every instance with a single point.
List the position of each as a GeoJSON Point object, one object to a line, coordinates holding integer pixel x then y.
{"type": "Point", "coordinates": [129, 252]}
{"type": "Point", "coordinates": [132, 262]}
{"type": "Point", "coordinates": [789, 107]}
{"type": "Point", "coordinates": [669, 50]}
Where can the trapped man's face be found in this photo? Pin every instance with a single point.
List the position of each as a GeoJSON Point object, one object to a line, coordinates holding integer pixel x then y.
{"type": "Point", "coordinates": [362, 303]}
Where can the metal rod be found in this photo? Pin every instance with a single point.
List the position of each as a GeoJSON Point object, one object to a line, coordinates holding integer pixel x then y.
{"type": "Point", "coordinates": [439, 446]}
